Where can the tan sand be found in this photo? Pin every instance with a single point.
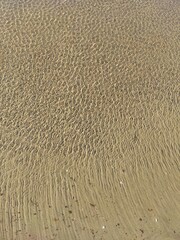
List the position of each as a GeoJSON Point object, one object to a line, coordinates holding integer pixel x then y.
{"type": "Point", "coordinates": [90, 120]}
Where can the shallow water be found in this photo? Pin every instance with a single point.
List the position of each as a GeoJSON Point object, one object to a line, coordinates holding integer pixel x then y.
{"type": "Point", "coordinates": [90, 110]}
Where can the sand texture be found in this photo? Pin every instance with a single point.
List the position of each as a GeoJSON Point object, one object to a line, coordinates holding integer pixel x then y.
{"type": "Point", "coordinates": [89, 120]}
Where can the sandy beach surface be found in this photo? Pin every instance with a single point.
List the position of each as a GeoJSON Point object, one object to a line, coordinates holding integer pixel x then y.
{"type": "Point", "coordinates": [89, 120]}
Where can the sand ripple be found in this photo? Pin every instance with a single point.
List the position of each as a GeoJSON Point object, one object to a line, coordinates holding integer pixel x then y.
{"type": "Point", "coordinates": [90, 109]}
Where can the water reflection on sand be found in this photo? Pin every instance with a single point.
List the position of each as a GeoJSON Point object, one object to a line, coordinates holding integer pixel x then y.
{"type": "Point", "coordinates": [90, 119]}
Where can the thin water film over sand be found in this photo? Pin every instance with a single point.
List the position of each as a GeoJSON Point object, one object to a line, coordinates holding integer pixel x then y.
{"type": "Point", "coordinates": [90, 119]}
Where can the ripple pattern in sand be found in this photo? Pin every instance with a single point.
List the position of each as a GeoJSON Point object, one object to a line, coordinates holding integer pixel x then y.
{"type": "Point", "coordinates": [90, 100]}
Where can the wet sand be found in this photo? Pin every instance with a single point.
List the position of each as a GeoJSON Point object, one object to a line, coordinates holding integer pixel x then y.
{"type": "Point", "coordinates": [90, 120]}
